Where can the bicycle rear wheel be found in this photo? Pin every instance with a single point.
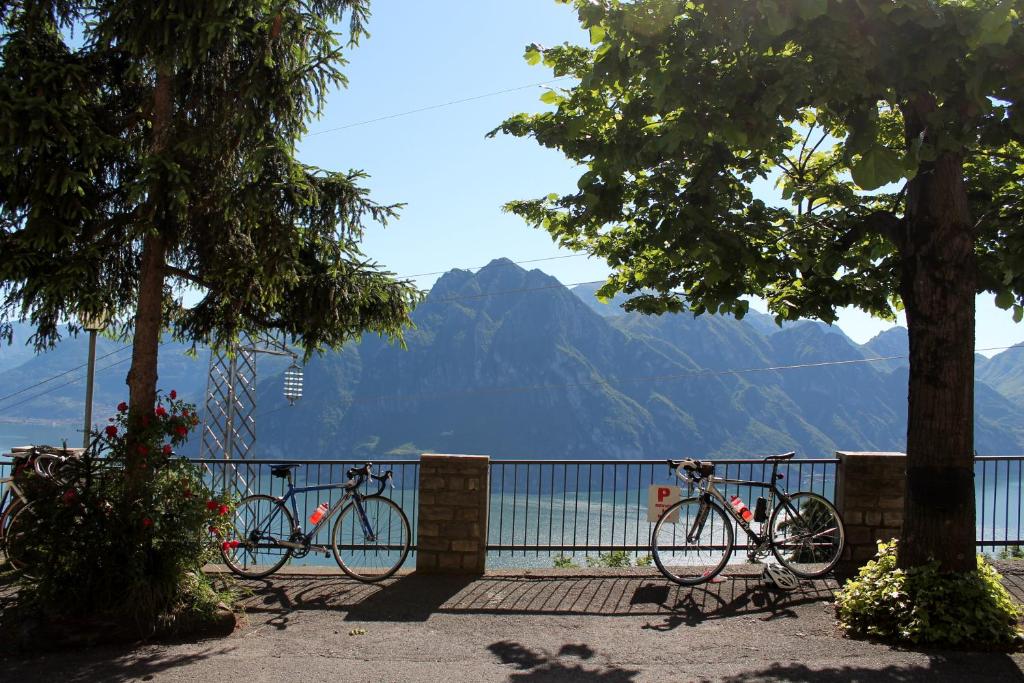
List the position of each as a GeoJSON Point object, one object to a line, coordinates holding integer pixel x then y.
{"type": "Point", "coordinates": [259, 523]}
{"type": "Point", "coordinates": [807, 535]}
{"type": "Point", "coordinates": [375, 550]}
{"type": "Point", "coordinates": [692, 541]}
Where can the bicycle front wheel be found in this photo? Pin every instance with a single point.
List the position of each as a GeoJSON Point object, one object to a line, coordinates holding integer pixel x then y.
{"type": "Point", "coordinates": [371, 542]}
{"type": "Point", "coordinates": [17, 537]}
{"type": "Point", "coordinates": [249, 545]}
{"type": "Point", "coordinates": [807, 535]}
{"type": "Point", "coordinates": [692, 541]}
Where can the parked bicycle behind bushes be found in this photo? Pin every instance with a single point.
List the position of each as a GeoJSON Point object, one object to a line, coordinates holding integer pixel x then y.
{"type": "Point", "coordinates": [127, 524]}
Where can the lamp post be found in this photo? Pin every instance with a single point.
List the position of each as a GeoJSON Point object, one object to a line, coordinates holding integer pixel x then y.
{"type": "Point", "coordinates": [92, 323]}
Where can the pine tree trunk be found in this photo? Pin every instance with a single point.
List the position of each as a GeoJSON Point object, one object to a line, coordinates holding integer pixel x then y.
{"type": "Point", "coordinates": [142, 376]}
{"type": "Point", "coordinates": [938, 290]}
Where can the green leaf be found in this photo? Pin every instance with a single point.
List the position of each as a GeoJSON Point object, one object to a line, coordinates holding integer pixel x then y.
{"type": "Point", "coordinates": [995, 26]}
{"type": "Point", "coordinates": [550, 97]}
{"type": "Point", "coordinates": [1004, 299]}
{"type": "Point", "coordinates": [811, 9]}
{"type": "Point", "coordinates": [775, 21]}
{"type": "Point", "coordinates": [597, 34]}
{"type": "Point", "coordinates": [532, 55]}
{"type": "Point", "coordinates": [876, 167]}
{"type": "Point", "coordinates": [1018, 313]}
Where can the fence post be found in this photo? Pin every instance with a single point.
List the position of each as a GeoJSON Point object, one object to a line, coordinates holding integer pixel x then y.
{"type": "Point", "coordinates": [451, 535]}
{"type": "Point", "coordinates": [870, 488]}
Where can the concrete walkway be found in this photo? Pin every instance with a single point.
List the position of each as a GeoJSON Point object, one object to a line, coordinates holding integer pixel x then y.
{"type": "Point", "coordinates": [554, 625]}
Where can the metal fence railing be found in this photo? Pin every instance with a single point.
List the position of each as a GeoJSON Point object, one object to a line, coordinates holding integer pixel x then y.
{"type": "Point", "coordinates": [998, 502]}
{"type": "Point", "coordinates": [551, 507]}
{"type": "Point", "coordinates": [542, 508]}
{"type": "Point", "coordinates": [253, 476]}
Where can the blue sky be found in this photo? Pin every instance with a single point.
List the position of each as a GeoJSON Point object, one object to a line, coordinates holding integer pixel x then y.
{"type": "Point", "coordinates": [438, 162]}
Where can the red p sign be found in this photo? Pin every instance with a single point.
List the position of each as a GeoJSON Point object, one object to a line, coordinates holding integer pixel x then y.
{"type": "Point", "coordinates": [663, 493]}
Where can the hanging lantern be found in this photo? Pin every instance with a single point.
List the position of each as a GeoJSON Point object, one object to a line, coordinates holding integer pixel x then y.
{"type": "Point", "coordinates": [293, 383]}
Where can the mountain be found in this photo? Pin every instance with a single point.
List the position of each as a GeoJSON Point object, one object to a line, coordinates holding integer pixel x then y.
{"type": "Point", "coordinates": [1004, 372]}
{"type": "Point", "coordinates": [19, 350]}
{"type": "Point", "coordinates": [508, 362]}
{"type": "Point", "coordinates": [50, 386]}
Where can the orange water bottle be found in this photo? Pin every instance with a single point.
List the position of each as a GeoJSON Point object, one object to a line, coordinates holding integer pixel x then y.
{"type": "Point", "coordinates": [319, 513]}
{"type": "Point", "coordinates": [740, 508]}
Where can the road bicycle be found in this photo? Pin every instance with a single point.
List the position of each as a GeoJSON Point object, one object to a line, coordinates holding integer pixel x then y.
{"type": "Point", "coordinates": [369, 541]}
{"type": "Point", "coordinates": [693, 539]}
{"type": "Point", "coordinates": [15, 507]}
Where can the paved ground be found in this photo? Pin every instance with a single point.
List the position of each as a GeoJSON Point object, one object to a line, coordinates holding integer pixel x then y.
{"type": "Point", "coordinates": [590, 625]}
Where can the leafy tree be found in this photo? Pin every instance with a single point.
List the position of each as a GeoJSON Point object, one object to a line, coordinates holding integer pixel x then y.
{"type": "Point", "coordinates": [149, 147]}
{"type": "Point", "coordinates": [894, 130]}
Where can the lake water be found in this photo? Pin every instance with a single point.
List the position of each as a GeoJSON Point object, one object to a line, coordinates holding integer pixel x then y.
{"type": "Point", "coordinates": [563, 505]}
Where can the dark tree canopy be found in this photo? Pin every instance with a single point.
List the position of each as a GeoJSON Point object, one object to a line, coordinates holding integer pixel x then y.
{"type": "Point", "coordinates": [894, 129]}
{"type": "Point", "coordinates": [148, 146]}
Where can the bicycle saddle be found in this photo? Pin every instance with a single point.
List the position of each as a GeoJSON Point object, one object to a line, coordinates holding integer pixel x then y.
{"type": "Point", "coordinates": [780, 457]}
{"type": "Point", "coordinates": [283, 471]}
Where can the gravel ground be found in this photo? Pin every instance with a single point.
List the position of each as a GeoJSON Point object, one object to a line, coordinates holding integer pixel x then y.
{"type": "Point", "coordinates": [586, 625]}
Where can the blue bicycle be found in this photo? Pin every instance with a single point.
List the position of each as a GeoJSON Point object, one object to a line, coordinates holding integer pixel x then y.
{"type": "Point", "coordinates": [370, 539]}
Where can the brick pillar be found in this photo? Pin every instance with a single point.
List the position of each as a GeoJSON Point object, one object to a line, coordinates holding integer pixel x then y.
{"type": "Point", "coordinates": [451, 536]}
{"type": "Point", "coordinates": [869, 496]}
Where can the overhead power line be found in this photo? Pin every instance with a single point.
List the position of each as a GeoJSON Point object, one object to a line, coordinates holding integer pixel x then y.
{"type": "Point", "coordinates": [686, 374]}
{"type": "Point", "coordinates": [62, 374]}
{"type": "Point", "coordinates": [437, 106]}
{"type": "Point", "coordinates": [61, 386]}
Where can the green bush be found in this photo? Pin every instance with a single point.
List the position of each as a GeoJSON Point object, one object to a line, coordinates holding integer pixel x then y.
{"type": "Point", "coordinates": [1011, 552]}
{"type": "Point", "coordinates": [927, 607]}
{"type": "Point", "coordinates": [564, 562]}
{"type": "Point", "coordinates": [616, 558]}
{"type": "Point", "coordinates": [644, 561]}
{"type": "Point", "coordinates": [123, 533]}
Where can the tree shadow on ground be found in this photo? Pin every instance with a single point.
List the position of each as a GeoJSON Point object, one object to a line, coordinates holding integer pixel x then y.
{"type": "Point", "coordinates": [748, 597]}
{"type": "Point", "coordinates": [939, 669]}
{"type": "Point", "coordinates": [571, 663]}
{"type": "Point", "coordinates": [416, 597]}
{"type": "Point", "coordinates": [109, 664]}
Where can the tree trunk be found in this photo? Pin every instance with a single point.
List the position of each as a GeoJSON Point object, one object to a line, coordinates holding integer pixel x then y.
{"type": "Point", "coordinates": [142, 376]}
{"type": "Point", "coordinates": [938, 289]}
{"type": "Point", "coordinates": [148, 322]}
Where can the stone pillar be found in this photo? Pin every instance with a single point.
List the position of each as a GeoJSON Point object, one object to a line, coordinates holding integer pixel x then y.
{"type": "Point", "coordinates": [869, 496]}
{"type": "Point", "coordinates": [451, 536]}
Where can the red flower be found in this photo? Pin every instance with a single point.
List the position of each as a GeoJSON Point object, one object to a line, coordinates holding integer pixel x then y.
{"type": "Point", "coordinates": [142, 450]}
{"type": "Point", "coordinates": [229, 545]}
{"type": "Point", "coordinates": [173, 394]}
{"type": "Point", "coordinates": [167, 449]}
{"type": "Point", "coordinates": [184, 412]}
{"type": "Point", "coordinates": [215, 531]}
{"type": "Point", "coordinates": [147, 522]}
{"type": "Point", "coordinates": [222, 509]}
{"type": "Point", "coordinates": [111, 431]}
{"type": "Point", "coordinates": [180, 431]}
{"type": "Point", "coordinates": [122, 407]}
{"type": "Point", "coordinates": [161, 411]}
{"type": "Point", "coordinates": [211, 505]}
{"type": "Point", "coordinates": [69, 496]}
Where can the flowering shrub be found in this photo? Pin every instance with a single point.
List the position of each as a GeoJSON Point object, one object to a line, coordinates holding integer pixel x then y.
{"type": "Point", "coordinates": [127, 527]}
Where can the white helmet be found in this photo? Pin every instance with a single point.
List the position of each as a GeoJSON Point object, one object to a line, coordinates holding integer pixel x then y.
{"type": "Point", "coordinates": [782, 578]}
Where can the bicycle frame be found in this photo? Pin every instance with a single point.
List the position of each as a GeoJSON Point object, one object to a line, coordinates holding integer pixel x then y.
{"type": "Point", "coordinates": [289, 498]}
{"type": "Point", "coordinates": [707, 489]}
